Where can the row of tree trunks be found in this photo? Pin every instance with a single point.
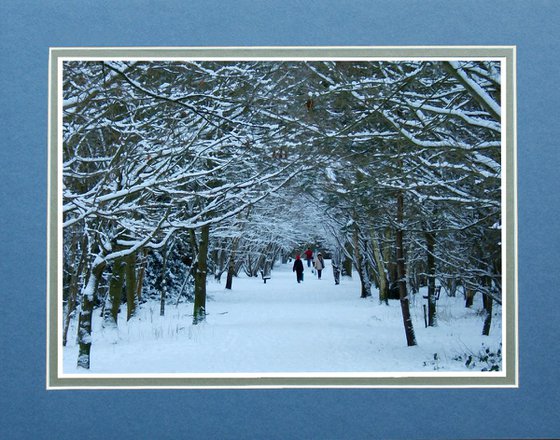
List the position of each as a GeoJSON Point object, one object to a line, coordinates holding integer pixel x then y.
{"type": "Point", "coordinates": [123, 275]}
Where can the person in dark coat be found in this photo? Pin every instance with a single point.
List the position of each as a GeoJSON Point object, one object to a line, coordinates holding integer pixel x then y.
{"type": "Point", "coordinates": [298, 269]}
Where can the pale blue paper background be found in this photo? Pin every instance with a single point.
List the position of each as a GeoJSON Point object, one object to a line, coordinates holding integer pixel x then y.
{"type": "Point", "coordinates": [27, 411]}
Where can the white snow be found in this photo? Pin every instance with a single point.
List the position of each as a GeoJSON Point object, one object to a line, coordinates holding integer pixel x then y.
{"type": "Point", "coordinates": [286, 327]}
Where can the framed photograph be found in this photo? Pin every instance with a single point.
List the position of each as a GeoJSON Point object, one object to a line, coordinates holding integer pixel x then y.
{"type": "Point", "coordinates": [282, 217]}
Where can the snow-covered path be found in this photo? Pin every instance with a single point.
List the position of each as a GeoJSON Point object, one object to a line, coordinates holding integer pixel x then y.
{"type": "Point", "coordinates": [283, 326]}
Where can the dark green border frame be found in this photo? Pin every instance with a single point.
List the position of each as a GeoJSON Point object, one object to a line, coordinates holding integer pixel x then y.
{"type": "Point", "coordinates": [509, 220]}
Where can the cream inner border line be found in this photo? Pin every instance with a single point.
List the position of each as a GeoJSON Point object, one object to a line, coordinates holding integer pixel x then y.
{"type": "Point", "coordinates": [509, 375]}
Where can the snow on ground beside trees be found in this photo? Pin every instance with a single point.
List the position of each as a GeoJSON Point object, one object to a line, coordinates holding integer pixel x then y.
{"type": "Point", "coordinates": [283, 326]}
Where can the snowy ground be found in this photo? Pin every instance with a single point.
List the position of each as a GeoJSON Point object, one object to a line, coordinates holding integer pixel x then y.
{"type": "Point", "coordinates": [283, 326]}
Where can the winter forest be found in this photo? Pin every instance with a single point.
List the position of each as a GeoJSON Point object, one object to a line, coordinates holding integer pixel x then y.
{"type": "Point", "coordinates": [189, 187]}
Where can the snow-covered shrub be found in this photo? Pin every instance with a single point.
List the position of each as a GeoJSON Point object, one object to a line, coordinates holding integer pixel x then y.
{"type": "Point", "coordinates": [486, 359]}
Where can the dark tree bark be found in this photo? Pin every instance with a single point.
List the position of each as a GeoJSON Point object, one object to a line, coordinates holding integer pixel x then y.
{"type": "Point", "coordinates": [431, 271]}
{"type": "Point", "coordinates": [200, 273]}
{"type": "Point", "coordinates": [131, 297]}
{"type": "Point", "coordinates": [401, 273]}
{"type": "Point", "coordinates": [347, 262]}
{"type": "Point", "coordinates": [230, 273]}
{"type": "Point", "coordinates": [231, 263]}
{"type": "Point", "coordinates": [163, 284]}
{"type": "Point", "coordinates": [488, 318]}
{"type": "Point", "coordinates": [111, 313]}
{"type": "Point", "coordinates": [469, 297]}
{"type": "Point", "coordinates": [488, 303]}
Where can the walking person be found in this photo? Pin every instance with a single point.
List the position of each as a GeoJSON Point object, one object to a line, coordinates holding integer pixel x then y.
{"type": "Point", "coordinates": [319, 264]}
{"type": "Point", "coordinates": [309, 256]}
{"type": "Point", "coordinates": [336, 273]}
{"type": "Point", "coordinates": [298, 269]}
{"type": "Point", "coordinates": [335, 262]}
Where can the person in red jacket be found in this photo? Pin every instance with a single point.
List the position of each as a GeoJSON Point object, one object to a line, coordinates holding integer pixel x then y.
{"type": "Point", "coordinates": [298, 269]}
{"type": "Point", "coordinates": [309, 256]}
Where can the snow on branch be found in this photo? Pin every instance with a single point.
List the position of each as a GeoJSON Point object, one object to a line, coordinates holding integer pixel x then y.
{"type": "Point", "coordinates": [475, 89]}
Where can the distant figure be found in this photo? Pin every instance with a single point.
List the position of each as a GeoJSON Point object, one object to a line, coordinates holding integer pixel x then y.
{"type": "Point", "coordinates": [309, 256]}
{"type": "Point", "coordinates": [335, 262]}
{"type": "Point", "coordinates": [298, 269]}
{"type": "Point", "coordinates": [319, 264]}
{"type": "Point", "coordinates": [336, 273]}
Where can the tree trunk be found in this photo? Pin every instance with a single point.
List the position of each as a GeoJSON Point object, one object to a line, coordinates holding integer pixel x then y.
{"type": "Point", "coordinates": [469, 297]}
{"type": "Point", "coordinates": [84, 323]}
{"type": "Point", "coordinates": [431, 271]}
{"type": "Point", "coordinates": [388, 259]}
{"type": "Point", "coordinates": [141, 274]}
{"type": "Point", "coordinates": [113, 302]}
{"type": "Point", "coordinates": [383, 283]}
{"type": "Point", "coordinates": [70, 308]}
{"type": "Point", "coordinates": [347, 263]}
{"type": "Point", "coordinates": [73, 289]}
{"type": "Point", "coordinates": [131, 297]}
{"type": "Point", "coordinates": [365, 282]}
{"type": "Point", "coordinates": [163, 284]}
{"type": "Point", "coordinates": [200, 272]}
{"type": "Point", "coordinates": [488, 303]}
{"type": "Point", "coordinates": [360, 263]}
{"type": "Point", "coordinates": [366, 279]}
{"type": "Point", "coordinates": [453, 288]}
{"type": "Point", "coordinates": [488, 318]}
{"type": "Point", "coordinates": [219, 258]}
{"type": "Point", "coordinates": [230, 273]}
{"type": "Point", "coordinates": [231, 263]}
{"type": "Point", "coordinates": [401, 273]}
